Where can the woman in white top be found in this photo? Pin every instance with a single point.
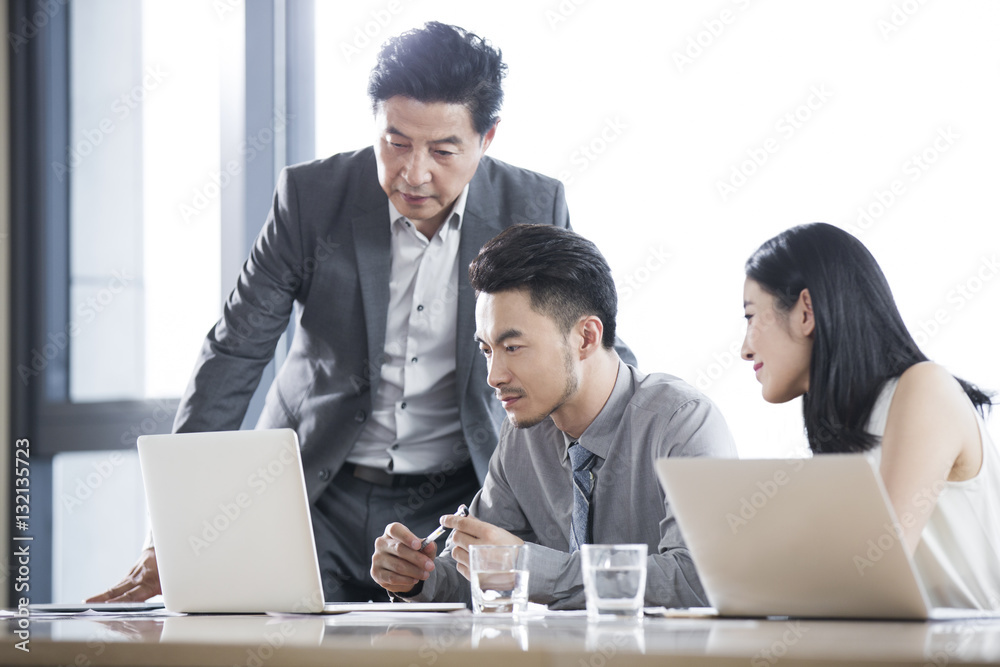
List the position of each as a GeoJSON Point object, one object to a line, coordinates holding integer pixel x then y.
{"type": "Point", "coordinates": [822, 324]}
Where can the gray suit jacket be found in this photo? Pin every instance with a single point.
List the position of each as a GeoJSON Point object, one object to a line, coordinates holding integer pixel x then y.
{"type": "Point", "coordinates": [325, 250]}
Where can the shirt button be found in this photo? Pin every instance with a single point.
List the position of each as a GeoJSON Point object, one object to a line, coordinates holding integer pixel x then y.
{"type": "Point", "coordinates": [420, 307]}
{"type": "Point", "coordinates": [402, 405]}
{"type": "Point", "coordinates": [360, 416]}
{"type": "Point", "coordinates": [413, 360]}
{"type": "Point", "coordinates": [324, 474]}
{"type": "Point", "coordinates": [396, 446]}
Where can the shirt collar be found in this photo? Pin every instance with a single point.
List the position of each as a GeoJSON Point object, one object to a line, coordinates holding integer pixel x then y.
{"type": "Point", "coordinates": [454, 220]}
{"type": "Point", "coordinates": [599, 435]}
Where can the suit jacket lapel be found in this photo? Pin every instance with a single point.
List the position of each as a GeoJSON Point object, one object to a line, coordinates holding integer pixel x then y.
{"type": "Point", "coordinates": [373, 252]}
{"type": "Point", "coordinates": [478, 227]}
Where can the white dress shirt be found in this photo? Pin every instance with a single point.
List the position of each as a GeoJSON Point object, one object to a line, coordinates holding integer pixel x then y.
{"type": "Point", "coordinates": [414, 426]}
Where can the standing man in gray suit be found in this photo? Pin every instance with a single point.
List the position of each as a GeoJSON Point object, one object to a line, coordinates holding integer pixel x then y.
{"type": "Point", "coordinates": [383, 382]}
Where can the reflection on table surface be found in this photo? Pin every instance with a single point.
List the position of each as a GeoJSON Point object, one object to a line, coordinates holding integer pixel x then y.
{"type": "Point", "coordinates": [426, 639]}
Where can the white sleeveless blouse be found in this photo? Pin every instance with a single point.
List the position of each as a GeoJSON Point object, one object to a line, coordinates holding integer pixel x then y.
{"type": "Point", "coordinates": [958, 557]}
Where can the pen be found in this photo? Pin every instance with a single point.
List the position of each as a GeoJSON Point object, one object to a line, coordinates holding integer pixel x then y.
{"type": "Point", "coordinates": [439, 531]}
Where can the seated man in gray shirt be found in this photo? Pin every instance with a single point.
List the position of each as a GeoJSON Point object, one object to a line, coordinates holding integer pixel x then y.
{"type": "Point", "coordinates": [575, 459]}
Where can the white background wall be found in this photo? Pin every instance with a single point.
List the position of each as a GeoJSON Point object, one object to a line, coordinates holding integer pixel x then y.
{"type": "Point", "coordinates": [644, 109]}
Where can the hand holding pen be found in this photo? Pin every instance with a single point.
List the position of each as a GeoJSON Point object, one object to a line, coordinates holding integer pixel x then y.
{"type": "Point", "coordinates": [439, 531]}
{"type": "Point", "coordinates": [402, 560]}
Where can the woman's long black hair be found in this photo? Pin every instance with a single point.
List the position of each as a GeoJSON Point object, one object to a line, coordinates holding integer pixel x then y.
{"type": "Point", "coordinates": [860, 340]}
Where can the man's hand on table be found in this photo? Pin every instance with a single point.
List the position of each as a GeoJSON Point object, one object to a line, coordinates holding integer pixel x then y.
{"type": "Point", "coordinates": [140, 584]}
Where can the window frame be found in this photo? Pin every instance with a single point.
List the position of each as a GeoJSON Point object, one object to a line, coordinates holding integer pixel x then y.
{"type": "Point", "coordinates": [281, 61]}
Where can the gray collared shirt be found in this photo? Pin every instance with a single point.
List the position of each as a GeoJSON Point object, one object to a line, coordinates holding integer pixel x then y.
{"type": "Point", "coordinates": [529, 491]}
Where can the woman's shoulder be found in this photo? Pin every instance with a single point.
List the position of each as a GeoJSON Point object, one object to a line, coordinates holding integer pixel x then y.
{"type": "Point", "coordinates": [927, 389]}
{"type": "Point", "coordinates": [933, 420]}
{"type": "Point", "coordinates": [927, 379]}
{"type": "Point", "coordinates": [917, 383]}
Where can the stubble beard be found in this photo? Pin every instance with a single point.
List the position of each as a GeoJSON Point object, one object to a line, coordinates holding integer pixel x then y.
{"type": "Point", "coordinates": [571, 386]}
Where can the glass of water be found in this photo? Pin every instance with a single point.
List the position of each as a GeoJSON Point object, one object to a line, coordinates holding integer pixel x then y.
{"type": "Point", "coordinates": [499, 578]}
{"type": "Point", "coordinates": [614, 579]}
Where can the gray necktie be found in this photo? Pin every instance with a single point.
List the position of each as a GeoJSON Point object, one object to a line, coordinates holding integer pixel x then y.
{"type": "Point", "coordinates": [583, 487]}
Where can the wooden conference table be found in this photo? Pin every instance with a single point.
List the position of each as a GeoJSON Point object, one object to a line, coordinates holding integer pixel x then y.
{"type": "Point", "coordinates": [461, 639]}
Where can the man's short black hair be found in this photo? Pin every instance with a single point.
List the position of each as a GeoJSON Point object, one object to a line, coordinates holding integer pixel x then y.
{"type": "Point", "coordinates": [441, 63]}
{"type": "Point", "coordinates": [565, 274]}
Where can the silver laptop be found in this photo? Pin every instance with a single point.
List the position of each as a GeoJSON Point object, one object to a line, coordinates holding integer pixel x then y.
{"type": "Point", "coordinates": [231, 524]}
{"type": "Point", "coordinates": [796, 537]}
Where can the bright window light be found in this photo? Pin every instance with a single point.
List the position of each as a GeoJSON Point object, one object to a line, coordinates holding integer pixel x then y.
{"type": "Point", "coordinates": [689, 133]}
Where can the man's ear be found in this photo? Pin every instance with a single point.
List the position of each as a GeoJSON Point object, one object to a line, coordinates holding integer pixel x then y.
{"type": "Point", "coordinates": [591, 331]}
{"type": "Point", "coordinates": [488, 137]}
{"type": "Point", "coordinates": [804, 314]}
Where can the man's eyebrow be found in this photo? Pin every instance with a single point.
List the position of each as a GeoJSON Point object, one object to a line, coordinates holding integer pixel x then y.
{"type": "Point", "coordinates": [747, 303]}
{"type": "Point", "coordinates": [506, 335]}
{"type": "Point", "coordinates": [453, 139]}
{"type": "Point", "coordinates": [392, 130]}
{"type": "Point", "coordinates": [448, 140]}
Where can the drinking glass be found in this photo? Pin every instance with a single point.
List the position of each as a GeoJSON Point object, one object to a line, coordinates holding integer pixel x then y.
{"type": "Point", "coordinates": [499, 578]}
{"type": "Point", "coordinates": [614, 579]}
